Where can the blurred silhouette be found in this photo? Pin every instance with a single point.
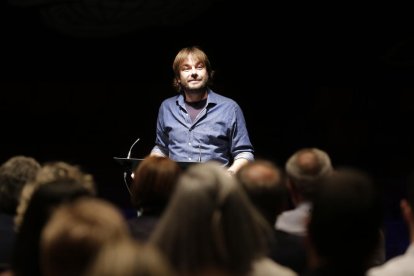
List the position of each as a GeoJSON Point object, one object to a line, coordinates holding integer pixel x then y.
{"type": "Point", "coordinates": [304, 169]}
{"type": "Point", "coordinates": [75, 234]}
{"type": "Point", "coordinates": [153, 183]}
{"type": "Point", "coordinates": [49, 172]}
{"type": "Point", "coordinates": [44, 200]}
{"type": "Point", "coordinates": [211, 228]}
{"type": "Point", "coordinates": [343, 226]}
{"type": "Point", "coordinates": [401, 265]}
{"type": "Point", "coordinates": [129, 258]}
{"type": "Point", "coordinates": [14, 174]}
{"type": "Point", "coordinates": [265, 185]}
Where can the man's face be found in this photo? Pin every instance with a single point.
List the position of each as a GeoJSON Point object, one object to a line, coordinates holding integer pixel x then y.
{"type": "Point", "coordinates": [193, 74]}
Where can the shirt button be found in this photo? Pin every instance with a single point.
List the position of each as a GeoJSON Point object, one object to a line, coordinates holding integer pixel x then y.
{"type": "Point", "coordinates": [189, 144]}
{"type": "Point", "coordinates": [189, 158]}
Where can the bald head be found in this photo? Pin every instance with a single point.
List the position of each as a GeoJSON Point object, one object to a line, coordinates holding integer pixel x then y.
{"type": "Point", "coordinates": [261, 173]}
{"type": "Point", "coordinates": [306, 167]}
{"type": "Point", "coordinates": [308, 162]}
{"type": "Point", "coordinates": [265, 185]}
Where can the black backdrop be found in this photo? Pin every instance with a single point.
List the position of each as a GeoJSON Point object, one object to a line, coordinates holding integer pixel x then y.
{"type": "Point", "coordinates": [82, 82]}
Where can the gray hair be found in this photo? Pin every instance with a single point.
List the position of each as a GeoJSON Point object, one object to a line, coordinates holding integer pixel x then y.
{"type": "Point", "coordinates": [306, 167]}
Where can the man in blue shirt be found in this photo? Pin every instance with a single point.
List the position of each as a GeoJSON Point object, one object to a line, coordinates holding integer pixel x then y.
{"type": "Point", "coordinates": [199, 125]}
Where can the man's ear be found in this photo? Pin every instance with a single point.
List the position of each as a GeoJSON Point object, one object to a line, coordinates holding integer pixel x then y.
{"type": "Point", "coordinates": [406, 210]}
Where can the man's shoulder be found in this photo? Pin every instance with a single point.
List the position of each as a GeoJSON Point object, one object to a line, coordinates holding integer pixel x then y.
{"type": "Point", "coordinates": [218, 98]}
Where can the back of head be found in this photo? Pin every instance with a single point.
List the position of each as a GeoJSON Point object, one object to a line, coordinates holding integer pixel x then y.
{"type": "Point", "coordinates": [210, 223]}
{"type": "Point", "coordinates": [52, 194]}
{"type": "Point", "coordinates": [306, 167]}
{"type": "Point", "coordinates": [50, 172]}
{"type": "Point", "coordinates": [154, 181]}
{"type": "Point", "coordinates": [345, 219]}
{"type": "Point", "coordinates": [264, 183]}
{"type": "Point", "coordinates": [44, 200]}
{"type": "Point", "coordinates": [62, 170]}
{"type": "Point", "coordinates": [76, 232]}
{"type": "Point", "coordinates": [14, 174]}
{"type": "Point", "coordinates": [129, 258]}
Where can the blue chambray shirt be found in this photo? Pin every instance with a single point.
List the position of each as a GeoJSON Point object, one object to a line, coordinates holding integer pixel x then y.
{"type": "Point", "coordinates": [218, 133]}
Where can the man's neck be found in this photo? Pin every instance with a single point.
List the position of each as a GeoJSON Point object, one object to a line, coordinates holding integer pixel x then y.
{"type": "Point", "coordinates": [195, 95]}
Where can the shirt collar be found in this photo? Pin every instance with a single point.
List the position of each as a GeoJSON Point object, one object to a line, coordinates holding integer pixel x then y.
{"type": "Point", "coordinates": [212, 98]}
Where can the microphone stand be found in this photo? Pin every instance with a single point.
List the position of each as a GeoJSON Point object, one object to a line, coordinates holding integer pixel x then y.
{"type": "Point", "coordinates": [126, 173]}
{"type": "Point", "coordinates": [126, 182]}
{"type": "Point", "coordinates": [130, 149]}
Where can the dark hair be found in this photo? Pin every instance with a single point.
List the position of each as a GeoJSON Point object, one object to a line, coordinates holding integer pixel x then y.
{"type": "Point", "coordinates": [42, 203]}
{"type": "Point", "coordinates": [346, 217]}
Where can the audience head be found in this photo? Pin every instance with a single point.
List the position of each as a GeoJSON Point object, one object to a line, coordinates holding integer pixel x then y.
{"type": "Point", "coordinates": [76, 232]}
{"type": "Point", "coordinates": [154, 181]}
{"type": "Point", "coordinates": [210, 224]}
{"type": "Point", "coordinates": [14, 174]}
{"type": "Point", "coordinates": [50, 172]}
{"type": "Point", "coordinates": [44, 200]}
{"type": "Point", "coordinates": [129, 258]}
{"type": "Point", "coordinates": [345, 219]}
{"type": "Point", "coordinates": [264, 183]}
{"type": "Point", "coordinates": [306, 167]}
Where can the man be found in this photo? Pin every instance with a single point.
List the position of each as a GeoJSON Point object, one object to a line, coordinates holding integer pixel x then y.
{"type": "Point", "coordinates": [14, 174]}
{"type": "Point", "coordinates": [199, 125]}
{"type": "Point", "coordinates": [343, 225]}
{"type": "Point", "coordinates": [264, 183]}
{"type": "Point", "coordinates": [304, 169]}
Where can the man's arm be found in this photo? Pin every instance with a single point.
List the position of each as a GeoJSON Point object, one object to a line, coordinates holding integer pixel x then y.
{"type": "Point", "coordinates": [237, 164]}
{"type": "Point", "coordinates": [157, 151]}
{"type": "Point", "coordinates": [241, 147]}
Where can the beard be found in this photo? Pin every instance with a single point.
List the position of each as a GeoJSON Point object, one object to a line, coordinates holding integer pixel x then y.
{"type": "Point", "coordinates": [195, 89]}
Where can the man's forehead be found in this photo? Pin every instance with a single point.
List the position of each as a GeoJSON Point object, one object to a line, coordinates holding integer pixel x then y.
{"type": "Point", "coordinates": [191, 59]}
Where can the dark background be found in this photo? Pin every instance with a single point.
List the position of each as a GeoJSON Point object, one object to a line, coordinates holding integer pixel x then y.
{"type": "Point", "coordinates": [83, 80]}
